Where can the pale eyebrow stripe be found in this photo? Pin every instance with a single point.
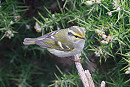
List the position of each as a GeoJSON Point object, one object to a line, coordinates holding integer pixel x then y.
{"type": "Point", "coordinates": [71, 31]}
{"type": "Point", "coordinates": [78, 30]}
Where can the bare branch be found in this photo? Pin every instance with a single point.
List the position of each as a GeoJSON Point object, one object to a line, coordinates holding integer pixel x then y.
{"type": "Point", "coordinates": [81, 71]}
{"type": "Point", "coordinates": [90, 81]}
{"type": "Point", "coordinates": [85, 76]}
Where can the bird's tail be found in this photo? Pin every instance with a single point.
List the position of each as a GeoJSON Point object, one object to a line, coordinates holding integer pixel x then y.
{"type": "Point", "coordinates": [29, 41]}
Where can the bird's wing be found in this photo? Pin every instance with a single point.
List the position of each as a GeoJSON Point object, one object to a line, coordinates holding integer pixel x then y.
{"type": "Point", "coordinates": [50, 41]}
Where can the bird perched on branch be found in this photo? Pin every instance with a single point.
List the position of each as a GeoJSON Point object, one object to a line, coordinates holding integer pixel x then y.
{"type": "Point", "coordinates": [62, 43]}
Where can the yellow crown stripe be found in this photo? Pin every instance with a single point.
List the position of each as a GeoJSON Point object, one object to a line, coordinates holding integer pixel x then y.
{"type": "Point", "coordinates": [76, 33]}
{"type": "Point", "coordinates": [79, 30]}
{"type": "Point", "coordinates": [79, 35]}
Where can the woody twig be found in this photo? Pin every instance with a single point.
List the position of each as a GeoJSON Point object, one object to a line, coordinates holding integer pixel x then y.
{"type": "Point", "coordinates": [85, 76]}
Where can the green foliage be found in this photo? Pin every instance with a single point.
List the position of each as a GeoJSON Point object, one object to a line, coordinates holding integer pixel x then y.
{"type": "Point", "coordinates": [66, 80]}
{"type": "Point", "coordinates": [30, 66]}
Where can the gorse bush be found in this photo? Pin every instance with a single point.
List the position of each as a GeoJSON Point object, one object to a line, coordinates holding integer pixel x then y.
{"type": "Point", "coordinates": [107, 24]}
{"type": "Point", "coordinates": [10, 14]}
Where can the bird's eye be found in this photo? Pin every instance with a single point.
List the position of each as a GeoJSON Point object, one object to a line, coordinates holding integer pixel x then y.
{"type": "Point", "coordinates": [76, 36]}
{"type": "Point", "coordinates": [69, 33]}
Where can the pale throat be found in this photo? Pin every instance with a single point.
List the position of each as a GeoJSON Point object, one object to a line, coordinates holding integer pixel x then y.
{"type": "Point", "coordinates": [79, 44]}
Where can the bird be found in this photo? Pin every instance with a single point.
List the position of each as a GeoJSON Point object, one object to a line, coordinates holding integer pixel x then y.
{"type": "Point", "coordinates": [62, 43]}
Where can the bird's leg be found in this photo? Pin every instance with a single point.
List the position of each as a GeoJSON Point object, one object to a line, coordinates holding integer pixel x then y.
{"type": "Point", "coordinates": [78, 60]}
{"type": "Point", "coordinates": [72, 59]}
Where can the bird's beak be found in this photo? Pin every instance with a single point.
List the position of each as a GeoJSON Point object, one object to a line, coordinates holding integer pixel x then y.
{"type": "Point", "coordinates": [83, 38]}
